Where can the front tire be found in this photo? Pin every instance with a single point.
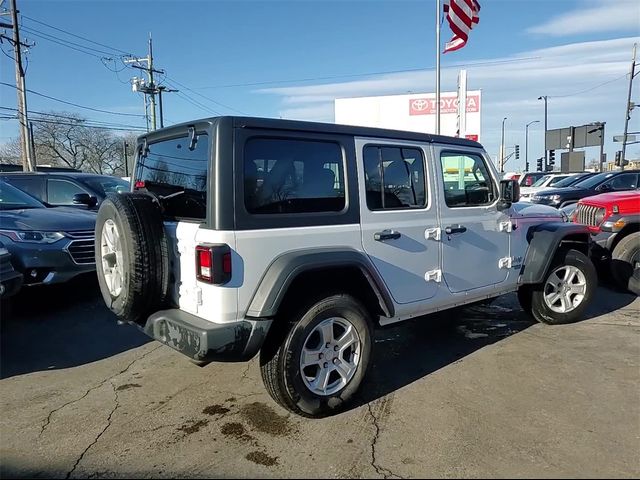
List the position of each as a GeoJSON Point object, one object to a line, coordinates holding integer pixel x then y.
{"type": "Point", "coordinates": [567, 289]}
{"type": "Point", "coordinates": [625, 261]}
{"type": "Point", "coordinates": [322, 359]}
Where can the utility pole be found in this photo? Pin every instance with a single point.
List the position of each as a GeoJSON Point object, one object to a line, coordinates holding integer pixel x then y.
{"type": "Point", "coordinates": [147, 88]}
{"type": "Point", "coordinates": [629, 106]}
{"type": "Point", "coordinates": [502, 147]}
{"type": "Point", "coordinates": [21, 90]}
{"type": "Point", "coordinates": [126, 159]}
{"type": "Point", "coordinates": [161, 89]}
{"type": "Point", "coordinates": [546, 153]}
{"type": "Point", "coordinates": [526, 143]}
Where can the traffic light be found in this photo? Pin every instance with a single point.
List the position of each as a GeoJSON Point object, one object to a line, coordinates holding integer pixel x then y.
{"type": "Point", "coordinates": [619, 161]}
{"type": "Point", "coordinates": [539, 169]}
{"type": "Point", "coordinates": [517, 152]}
{"type": "Point", "coordinates": [552, 159]}
{"type": "Point", "coordinates": [526, 167]}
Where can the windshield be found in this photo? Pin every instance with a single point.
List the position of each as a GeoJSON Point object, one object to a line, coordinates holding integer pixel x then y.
{"type": "Point", "coordinates": [555, 180]}
{"type": "Point", "coordinates": [12, 198]}
{"type": "Point", "coordinates": [104, 185]}
{"type": "Point", "coordinates": [593, 181]}
{"type": "Point", "coordinates": [570, 180]}
{"type": "Point", "coordinates": [541, 181]}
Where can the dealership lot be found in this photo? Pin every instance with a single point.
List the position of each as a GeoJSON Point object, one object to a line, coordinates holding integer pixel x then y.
{"type": "Point", "coordinates": [488, 394]}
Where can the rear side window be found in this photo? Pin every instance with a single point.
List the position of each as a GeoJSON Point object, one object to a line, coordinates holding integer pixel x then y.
{"type": "Point", "coordinates": [293, 176]}
{"type": "Point", "coordinates": [178, 174]}
{"type": "Point", "coordinates": [394, 177]}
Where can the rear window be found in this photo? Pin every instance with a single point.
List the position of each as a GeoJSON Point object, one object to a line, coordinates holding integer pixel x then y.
{"type": "Point", "coordinates": [177, 174]}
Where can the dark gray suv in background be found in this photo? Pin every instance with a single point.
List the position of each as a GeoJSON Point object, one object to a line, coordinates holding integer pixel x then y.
{"type": "Point", "coordinates": [72, 189]}
{"type": "Point", "coordinates": [47, 245]}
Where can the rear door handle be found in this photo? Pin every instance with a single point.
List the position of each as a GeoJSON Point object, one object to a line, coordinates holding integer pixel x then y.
{"type": "Point", "coordinates": [386, 235]}
{"type": "Point", "coordinates": [451, 229]}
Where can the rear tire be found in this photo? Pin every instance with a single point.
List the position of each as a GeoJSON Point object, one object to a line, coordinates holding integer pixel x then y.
{"type": "Point", "coordinates": [625, 260]}
{"type": "Point", "coordinates": [300, 389]}
{"type": "Point", "coordinates": [131, 256]}
{"type": "Point", "coordinates": [567, 289]}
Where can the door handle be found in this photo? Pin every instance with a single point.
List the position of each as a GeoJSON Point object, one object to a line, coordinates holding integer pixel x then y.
{"type": "Point", "coordinates": [386, 235]}
{"type": "Point", "coordinates": [451, 229]}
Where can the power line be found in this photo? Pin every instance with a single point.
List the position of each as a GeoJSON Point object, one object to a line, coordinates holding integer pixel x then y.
{"type": "Point", "coordinates": [78, 36]}
{"type": "Point", "coordinates": [57, 122]}
{"type": "Point", "coordinates": [204, 96]}
{"type": "Point", "coordinates": [64, 42]}
{"type": "Point", "coordinates": [368, 74]}
{"type": "Point", "coordinates": [80, 120]}
{"type": "Point", "coordinates": [589, 89]}
{"type": "Point", "coordinates": [75, 104]}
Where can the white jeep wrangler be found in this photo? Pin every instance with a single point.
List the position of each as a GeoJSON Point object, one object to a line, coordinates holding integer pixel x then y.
{"type": "Point", "coordinates": [296, 240]}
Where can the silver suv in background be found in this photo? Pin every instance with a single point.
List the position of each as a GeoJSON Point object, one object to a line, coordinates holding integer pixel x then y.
{"type": "Point", "coordinates": [295, 240]}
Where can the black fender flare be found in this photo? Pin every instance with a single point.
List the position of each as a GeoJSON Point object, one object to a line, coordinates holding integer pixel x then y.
{"type": "Point", "coordinates": [281, 273]}
{"type": "Point", "coordinates": [544, 240]}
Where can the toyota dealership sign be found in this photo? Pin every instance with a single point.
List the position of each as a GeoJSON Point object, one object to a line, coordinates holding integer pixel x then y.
{"type": "Point", "coordinates": [415, 112]}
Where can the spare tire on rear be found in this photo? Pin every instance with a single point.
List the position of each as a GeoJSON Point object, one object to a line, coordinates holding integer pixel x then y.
{"type": "Point", "coordinates": [132, 256]}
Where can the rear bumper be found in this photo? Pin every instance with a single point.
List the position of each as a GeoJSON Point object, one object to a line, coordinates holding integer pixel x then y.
{"type": "Point", "coordinates": [206, 341]}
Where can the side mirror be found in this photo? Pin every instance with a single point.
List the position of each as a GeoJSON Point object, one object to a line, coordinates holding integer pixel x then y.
{"type": "Point", "coordinates": [85, 199]}
{"type": "Point", "coordinates": [605, 187]}
{"type": "Point", "coordinates": [509, 193]}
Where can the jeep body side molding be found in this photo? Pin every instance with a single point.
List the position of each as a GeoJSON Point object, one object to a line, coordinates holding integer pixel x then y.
{"type": "Point", "coordinates": [283, 271]}
{"type": "Point", "coordinates": [544, 240]}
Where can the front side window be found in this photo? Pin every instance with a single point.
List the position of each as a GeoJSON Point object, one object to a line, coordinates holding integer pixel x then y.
{"type": "Point", "coordinates": [293, 176]}
{"type": "Point", "coordinates": [61, 192]}
{"type": "Point", "coordinates": [394, 177]}
{"type": "Point", "coordinates": [626, 181]}
{"type": "Point", "coordinates": [467, 181]}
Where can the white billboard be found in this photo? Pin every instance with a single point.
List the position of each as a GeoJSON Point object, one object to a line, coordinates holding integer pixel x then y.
{"type": "Point", "coordinates": [413, 112]}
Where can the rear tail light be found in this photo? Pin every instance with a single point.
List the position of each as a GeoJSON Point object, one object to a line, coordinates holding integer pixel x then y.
{"type": "Point", "coordinates": [213, 263]}
{"type": "Point", "coordinates": [139, 184]}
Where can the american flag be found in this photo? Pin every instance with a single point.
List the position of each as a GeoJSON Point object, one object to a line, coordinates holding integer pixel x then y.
{"type": "Point", "coordinates": [462, 15]}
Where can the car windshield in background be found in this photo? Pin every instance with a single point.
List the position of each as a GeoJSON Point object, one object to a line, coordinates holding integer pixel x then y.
{"type": "Point", "coordinates": [593, 181]}
{"type": "Point", "coordinates": [12, 198]}
{"type": "Point", "coordinates": [540, 181]}
{"type": "Point", "coordinates": [556, 180]}
{"type": "Point", "coordinates": [104, 185]}
{"type": "Point", "coordinates": [565, 182]}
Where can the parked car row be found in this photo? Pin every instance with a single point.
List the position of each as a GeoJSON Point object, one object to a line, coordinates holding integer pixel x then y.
{"type": "Point", "coordinates": [47, 223]}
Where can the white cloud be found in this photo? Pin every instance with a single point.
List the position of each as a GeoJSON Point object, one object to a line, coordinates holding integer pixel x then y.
{"type": "Point", "coordinates": [510, 87]}
{"type": "Point", "coordinates": [605, 16]}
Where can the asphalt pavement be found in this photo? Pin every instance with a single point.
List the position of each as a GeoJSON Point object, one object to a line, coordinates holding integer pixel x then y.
{"type": "Point", "coordinates": [479, 392]}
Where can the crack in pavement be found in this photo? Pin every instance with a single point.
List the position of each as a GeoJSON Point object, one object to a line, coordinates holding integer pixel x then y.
{"type": "Point", "coordinates": [246, 371]}
{"type": "Point", "coordinates": [386, 473]}
{"type": "Point", "coordinates": [50, 415]}
{"type": "Point", "coordinates": [115, 407]}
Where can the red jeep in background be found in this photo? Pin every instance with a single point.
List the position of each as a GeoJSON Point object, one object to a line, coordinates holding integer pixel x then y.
{"type": "Point", "coordinates": [614, 221]}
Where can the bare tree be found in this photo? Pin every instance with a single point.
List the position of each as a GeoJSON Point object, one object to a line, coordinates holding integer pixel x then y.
{"type": "Point", "coordinates": [65, 139]}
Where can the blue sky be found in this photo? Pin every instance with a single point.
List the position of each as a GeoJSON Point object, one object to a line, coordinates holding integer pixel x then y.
{"type": "Point", "coordinates": [552, 47]}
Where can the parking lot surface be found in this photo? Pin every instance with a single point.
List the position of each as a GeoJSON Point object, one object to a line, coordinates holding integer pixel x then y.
{"type": "Point", "coordinates": [483, 392]}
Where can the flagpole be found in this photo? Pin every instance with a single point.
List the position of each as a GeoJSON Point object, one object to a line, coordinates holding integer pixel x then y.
{"type": "Point", "coordinates": [437, 67]}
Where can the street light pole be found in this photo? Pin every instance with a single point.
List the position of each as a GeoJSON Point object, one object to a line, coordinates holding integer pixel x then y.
{"type": "Point", "coordinates": [546, 154]}
{"type": "Point", "coordinates": [526, 143]}
{"type": "Point", "coordinates": [502, 147]}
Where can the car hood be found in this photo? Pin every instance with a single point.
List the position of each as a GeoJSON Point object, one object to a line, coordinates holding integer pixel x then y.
{"type": "Point", "coordinates": [526, 209]}
{"type": "Point", "coordinates": [61, 219]}
{"type": "Point", "coordinates": [565, 191]}
{"type": "Point", "coordinates": [612, 197]}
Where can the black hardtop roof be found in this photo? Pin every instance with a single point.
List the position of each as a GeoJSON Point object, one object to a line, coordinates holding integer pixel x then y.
{"type": "Point", "coordinates": [332, 128]}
